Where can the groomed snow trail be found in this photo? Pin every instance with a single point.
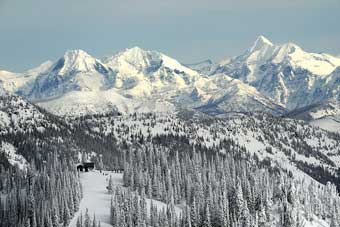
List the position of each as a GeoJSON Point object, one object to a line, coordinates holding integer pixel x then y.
{"type": "Point", "coordinates": [96, 197]}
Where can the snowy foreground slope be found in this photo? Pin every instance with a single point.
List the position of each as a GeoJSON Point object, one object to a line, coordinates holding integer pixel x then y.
{"type": "Point", "coordinates": [97, 199]}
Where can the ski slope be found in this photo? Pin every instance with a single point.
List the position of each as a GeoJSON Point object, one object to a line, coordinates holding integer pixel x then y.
{"type": "Point", "coordinates": [98, 201]}
{"type": "Point", "coordinates": [96, 198]}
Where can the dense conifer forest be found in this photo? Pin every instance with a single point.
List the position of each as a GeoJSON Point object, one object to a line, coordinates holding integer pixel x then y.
{"type": "Point", "coordinates": [224, 190]}
{"type": "Point", "coordinates": [47, 196]}
{"type": "Point", "coordinates": [250, 170]}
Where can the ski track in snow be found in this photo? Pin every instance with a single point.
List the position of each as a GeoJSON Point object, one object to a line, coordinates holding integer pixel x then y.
{"type": "Point", "coordinates": [96, 197]}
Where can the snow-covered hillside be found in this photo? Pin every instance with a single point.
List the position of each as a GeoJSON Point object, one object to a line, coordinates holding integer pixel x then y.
{"type": "Point", "coordinates": [19, 116]}
{"type": "Point", "coordinates": [28, 131]}
{"type": "Point", "coordinates": [327, 123]}
{"type": "Point", "coordinates": [14, 159]}
{"type": "Point", "coordinates": [292, 147]}
{"type": "Point", "coordinates": [290, 144]}
{"type": "Point", "coordinates": [24, 129]}
{"type": "Point", "coordinates": [325, 115]}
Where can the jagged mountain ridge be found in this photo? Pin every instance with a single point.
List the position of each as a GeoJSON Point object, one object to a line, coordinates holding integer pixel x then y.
{"type": "Point", "coordinates": [236, 96]}
{"type": "Point", "coordinates": [291, 76]}
{"type": "Point", "coordinates": [267, 77]}
{"type": "Point", "coordinates": [10, 81]}
{"type": "Point", "coordinates": [133, 80]}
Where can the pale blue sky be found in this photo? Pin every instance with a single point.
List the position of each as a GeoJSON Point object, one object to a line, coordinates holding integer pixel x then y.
{"type": "Point", "coordinates": [32, 31]}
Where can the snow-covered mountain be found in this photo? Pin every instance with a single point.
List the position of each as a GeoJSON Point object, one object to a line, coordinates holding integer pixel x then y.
{"type": "Point", "coordinates": [133, 80]}
{"type": "Point", "coordinates": [267, 77]}
{"type": "Point", "coordinates": [140, 73]}
{"type": "Point", "coordinates": [286, 73]}
{"type": "Point", "coordinates": [75, 71]}
{"type": "Point", "coordinates": [11, 82]}
{"type": "Point", "coordinates": [232, 95]}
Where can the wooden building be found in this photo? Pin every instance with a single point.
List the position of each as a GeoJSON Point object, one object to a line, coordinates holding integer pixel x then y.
{"type": "Point", "coordinates": [85, 167]}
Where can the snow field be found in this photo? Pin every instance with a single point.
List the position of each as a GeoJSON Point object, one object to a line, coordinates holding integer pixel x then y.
{"type": "Point", "coordinates": [96, 197]}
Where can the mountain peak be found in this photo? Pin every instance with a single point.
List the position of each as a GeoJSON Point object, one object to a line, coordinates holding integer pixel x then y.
{"type": "Point", "coordinates": [78, 60]}
{"type": "Point", "coordinates": [261, 42]}
{"type": "Point", "coordinates": [136, 53]}
{"type": "Point", "coordinates": [130, 53]}
{"type": "Point", "coordinates": [136, 49]}
{"type": "Point", "coordinates": [78, 53]}
{"type": "Point", "coordinates": [134, 58]}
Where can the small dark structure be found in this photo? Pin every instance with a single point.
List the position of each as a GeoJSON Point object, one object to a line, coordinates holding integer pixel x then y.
{"type": "Point", "coordinates": [80, 167]}
{"type": "Point", "coordinates": [118, 170]}
{"type": "Point", "coordinates": [86, 166]}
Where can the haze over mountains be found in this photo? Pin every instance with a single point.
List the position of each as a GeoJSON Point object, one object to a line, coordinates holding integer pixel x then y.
{"type": "Point", "coordinates": [267, 77]}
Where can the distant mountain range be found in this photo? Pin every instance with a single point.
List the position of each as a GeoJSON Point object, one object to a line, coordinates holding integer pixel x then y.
{"type": "Point", "coordinates": [278, 79]}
